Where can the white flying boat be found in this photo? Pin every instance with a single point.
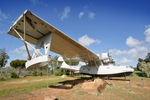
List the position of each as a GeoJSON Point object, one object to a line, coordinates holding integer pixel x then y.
{"type": "Point", "coordinates": [33, 30]}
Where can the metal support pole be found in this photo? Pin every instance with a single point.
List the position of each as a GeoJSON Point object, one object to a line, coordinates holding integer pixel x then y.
{"type": "Point", "coordinates": [130, 86]}
{"type": "Point", "coordinates": [142, 82]}
{"type": "Point", "coordinates": [125, 76]}
{"type": "Point", "coordinates": [24, 17]}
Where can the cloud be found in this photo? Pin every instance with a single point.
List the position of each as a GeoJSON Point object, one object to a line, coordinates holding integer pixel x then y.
{"type": "Point", "coordinates": [35, 2]}
{"type": "Point", "coordinates": [131, 42]}
{"type": "Point", "coordinates": [3, 16]}
{"type": "Point", "coordinates": [137, 48]}
{"type": "Point", "coordinates": [87, 12]}
{"type": "Point", "coordinates": [65, 13]}
{"type": "Point", "coordinates": [147, 34]}
{"type": "Point", "coordinates": [138, 52]}
{"type": "Point", "coordinates": [22, 51]}
{"type": "Point", "coordinates": [125, 60]}
{"type": "Point", "coordinates": [86, 41]}
{"type": "Point", "coordinates": [81, 14]}
{"type": "Point", "coordinates": [135, 52]}
{"type": "Point", "coordinates": [91, 15]}
{"type": "Point", "coordinates": [117, 52]}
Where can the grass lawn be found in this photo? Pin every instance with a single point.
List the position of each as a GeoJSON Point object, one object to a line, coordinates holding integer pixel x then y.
{"type": "Point", "coordinates": [135, 89]}
{"type": "Point", "coordinates": [26, 84]}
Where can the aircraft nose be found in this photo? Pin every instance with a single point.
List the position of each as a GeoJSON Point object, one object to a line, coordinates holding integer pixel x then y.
{"type": "Point", "coordinates": [132, 69]}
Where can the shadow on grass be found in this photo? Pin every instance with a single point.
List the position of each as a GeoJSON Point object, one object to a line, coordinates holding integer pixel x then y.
{"type": "Point", "coordinates": [140, 74]}
{"type": "Point", "coordinates": [117, 79]}
{"type": "Point", "coordinates": [70, 83]}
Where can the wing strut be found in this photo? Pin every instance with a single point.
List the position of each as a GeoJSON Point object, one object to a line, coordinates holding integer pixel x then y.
{"type": "Point", "coordinates": [29, 56]}
{"type": "Point", "coordinates": [38, 59]}
{"type": "Point", "coordinates": [25, 41]}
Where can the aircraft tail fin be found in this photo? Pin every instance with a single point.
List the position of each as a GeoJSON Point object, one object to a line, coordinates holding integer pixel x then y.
{"type": "Point", "coordinates": [62, 64]}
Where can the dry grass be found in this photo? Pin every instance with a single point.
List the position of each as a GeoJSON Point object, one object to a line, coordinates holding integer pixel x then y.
{"type": "Point", "coordinates": [128, 90]}
{"type": "Point", "coordinates": [35, 87]}
{"type": "Point", "coordinates": [27, 84]}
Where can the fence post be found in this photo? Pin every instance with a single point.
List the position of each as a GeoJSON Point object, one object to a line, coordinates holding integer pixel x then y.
{"type": "Point", "coordinates": [142, 82]}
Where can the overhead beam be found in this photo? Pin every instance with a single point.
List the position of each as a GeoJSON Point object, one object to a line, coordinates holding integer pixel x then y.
{"type": "Point", "coordinates": [28, 20]}
{"type": "Point", "coordinates": [27, 34]}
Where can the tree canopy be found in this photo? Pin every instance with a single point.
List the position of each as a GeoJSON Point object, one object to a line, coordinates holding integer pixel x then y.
{"type": "Point", "coordinates": [71, 61]}
{"type": "Point", "coordinates": [18, 64]}
{"type": "Point", "coordinates": [144, 65]}
{"type": "Point", "coordinates": [3, 57]}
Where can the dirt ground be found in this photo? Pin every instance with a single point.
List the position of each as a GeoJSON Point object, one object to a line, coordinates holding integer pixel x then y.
{"type": "Point", "coordinates": [119, 89]}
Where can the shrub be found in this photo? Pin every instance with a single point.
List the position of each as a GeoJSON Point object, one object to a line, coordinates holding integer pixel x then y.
{"type": "Point", "coordinates": [40, 73]}
{"type": "Point", "coordinates": [14, 75]}
{"type": "Point", "coordinates": [2, 79]}
{"type": "Point", "coordinates": [25, 76]}
{"type": "Point", "coordinates": [58, 72]}
{"type": "Point", "coordinates": [33, 74]}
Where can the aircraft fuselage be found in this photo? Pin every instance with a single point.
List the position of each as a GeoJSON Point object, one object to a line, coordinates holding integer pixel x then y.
{"type": "Point", "coordinates": [101, 70]}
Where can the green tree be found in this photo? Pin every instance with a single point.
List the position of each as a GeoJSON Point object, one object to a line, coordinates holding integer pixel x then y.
{"type": "Point", "coordinates": [147, 59]}
{"type": "Point", "coordinates": [59, 71]}
{"type": "Point", "coordinates": [3, 57]}
{"type": "Point", "coordinates": [70, 61]}
{"type": "Point", "coordinates": [144, 65]}
{"type": "Point", "coordinates": [19, 64]}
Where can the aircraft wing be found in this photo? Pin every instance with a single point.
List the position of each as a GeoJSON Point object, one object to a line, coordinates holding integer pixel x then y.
{"type": "Point", "coordinates": [36, 28]}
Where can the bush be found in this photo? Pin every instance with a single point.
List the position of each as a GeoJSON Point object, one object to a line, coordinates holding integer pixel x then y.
{"type": "Point", "coordinates": [145, 68]}
{"type": "Point", "coordinates": [40, 73]}
{"type": "Point", "coordinates": [2, 79]}
{"type": "Point", "coordinates": [25, 76]}
{"type": "Point", "coordinates": [14, 75]}
{"type": "Point", "coordinates": [33, 74]}
{"type": "Point", "coordinates": [58, 72]}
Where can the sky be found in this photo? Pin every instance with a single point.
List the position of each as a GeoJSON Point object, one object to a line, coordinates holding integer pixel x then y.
{"type": "Point", "coordinates": [120, 27]}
